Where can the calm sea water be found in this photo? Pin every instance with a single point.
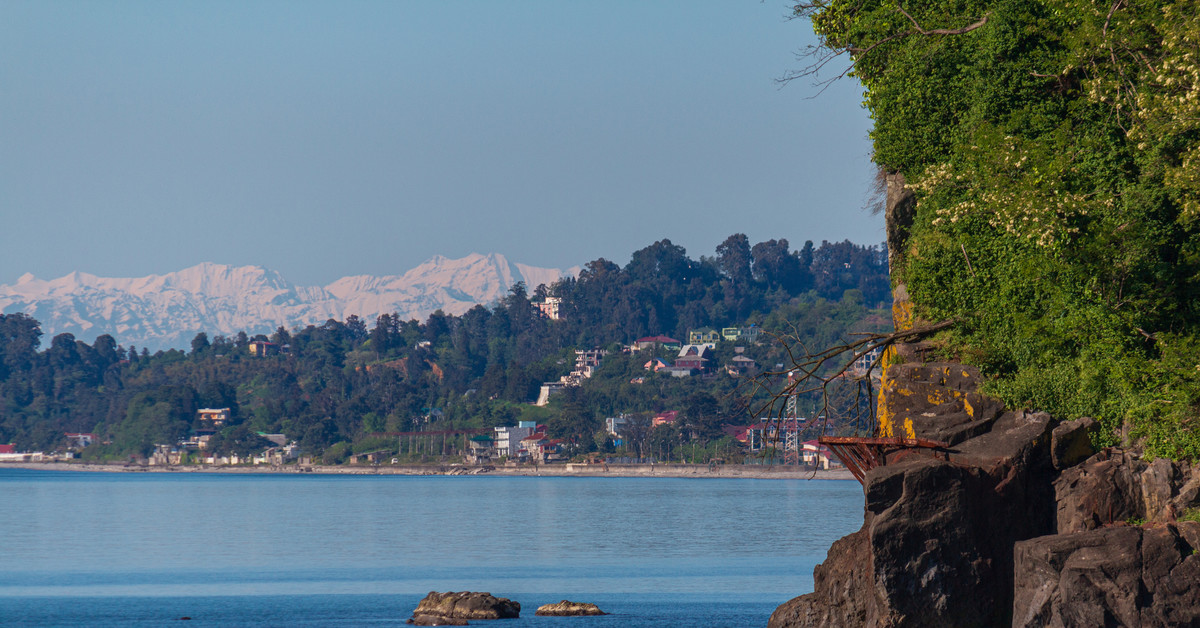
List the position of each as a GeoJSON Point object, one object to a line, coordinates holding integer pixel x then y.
{"type": "Point", "coordinates": [104, 549]}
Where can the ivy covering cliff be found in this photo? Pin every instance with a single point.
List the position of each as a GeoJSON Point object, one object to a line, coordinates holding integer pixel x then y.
{"type": "Point", "coordinates": [1053, 147]}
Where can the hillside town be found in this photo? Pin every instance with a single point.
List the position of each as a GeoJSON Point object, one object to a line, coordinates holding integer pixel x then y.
{"type": "Point", "coordinates": [778, 441]}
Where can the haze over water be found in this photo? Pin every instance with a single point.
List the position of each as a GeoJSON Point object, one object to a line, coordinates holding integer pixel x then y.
{"type": "Point", "coordinates": [258, 550]}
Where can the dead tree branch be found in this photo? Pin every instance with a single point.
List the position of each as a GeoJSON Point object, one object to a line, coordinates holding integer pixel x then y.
{"type": "Point", "coordinates": [942, 31]}
{"type": "Point", "coordinates": [824, 54]}
{"type": "Point", "coordinates": [811, 372]}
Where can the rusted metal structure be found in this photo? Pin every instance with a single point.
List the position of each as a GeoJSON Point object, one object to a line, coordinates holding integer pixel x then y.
{"type": "Point", "coordinates": [863, 454]}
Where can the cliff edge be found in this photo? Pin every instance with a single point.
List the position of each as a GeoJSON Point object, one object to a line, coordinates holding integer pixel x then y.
{"type": "Point", "coordinates": [1015, 521]}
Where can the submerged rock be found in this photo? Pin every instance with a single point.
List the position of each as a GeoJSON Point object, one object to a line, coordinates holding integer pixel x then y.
{"type": "Point", "coordinates": [435, 620]}
{"type": "Point", "coordinates": [461, 606]}
{"type": "Point", "coordinates": [569, 609]}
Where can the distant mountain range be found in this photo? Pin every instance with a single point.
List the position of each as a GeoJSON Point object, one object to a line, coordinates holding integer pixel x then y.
{"type": "Point", "coordinates": [164, 311]}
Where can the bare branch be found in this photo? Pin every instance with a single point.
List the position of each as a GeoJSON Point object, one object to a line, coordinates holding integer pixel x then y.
{"type": "Point", "coordinates": [942, 31]}
{"type": "Point", "coordinates": [816, 372]}
{"type": "Point", "coordinates": [825, 54]}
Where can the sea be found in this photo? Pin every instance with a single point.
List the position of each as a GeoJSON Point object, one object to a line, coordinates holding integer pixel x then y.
{"type": "Point", "coordinates": [195, 549]}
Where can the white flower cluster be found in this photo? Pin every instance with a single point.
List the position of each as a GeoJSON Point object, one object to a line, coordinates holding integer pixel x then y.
{"type": "Point", "coordinates": [1010, 194]}
{"type": "Point", "coordinates": [1164, 106]}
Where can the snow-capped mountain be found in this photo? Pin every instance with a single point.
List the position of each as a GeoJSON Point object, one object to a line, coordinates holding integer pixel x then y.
{"type": "Point", "coordinates": [164, 311]}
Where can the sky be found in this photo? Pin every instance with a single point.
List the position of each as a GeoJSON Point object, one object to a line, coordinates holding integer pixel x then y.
{"type": "Point", "coordinates": [325, 139]}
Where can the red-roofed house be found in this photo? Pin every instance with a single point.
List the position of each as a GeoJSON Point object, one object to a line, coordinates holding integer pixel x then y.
{"type": "Point", "coordinates": [815, 454]}
{"type": "Point", "coordinates": [665, 418]}
{"type": "Point", "coordinates": [740, 433]}
{"type": "Point", "coordinates": [8, 449]}
{"type": "Point", "coordinates": [655, 365]}
{"type": "Point", "coordinates": [695, 357]}
{"type": "Point", "coordinates": [552, 450]}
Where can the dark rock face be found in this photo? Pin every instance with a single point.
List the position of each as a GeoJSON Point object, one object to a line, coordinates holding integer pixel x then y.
{"type": "Point", "coordinates": [461, 606]}
{"type": "Point", "coordinates": [1115, 576]}
{"type": "Point", "coordinates": [844, 595]}
{"type": "Point", "coordinates": [936, 401]}
{"type": "Point", "coordinates": [1071, 443]}
{"type": "Point", "coordinates": [569, 609]}
{"type": "Point", "coordinates": [936, 545]}
{"type": "Point", "coordinates": [1018, 522]}
{"type": "Point", "coordinates": [1116, 486]}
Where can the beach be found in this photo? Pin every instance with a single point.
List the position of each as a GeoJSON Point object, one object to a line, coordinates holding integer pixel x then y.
{"type": "Point", "coordinates": [765, 472]}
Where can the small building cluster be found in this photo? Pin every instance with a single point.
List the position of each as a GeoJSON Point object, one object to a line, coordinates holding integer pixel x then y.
{"type": "Point", "coordinates": [783, 437]}
{"type": "Point", "coordinates": [525, 443]}
{"type": "Point", "coordinates": [195, 448]}
{"type": "Point", "coordinates": [586, 363]}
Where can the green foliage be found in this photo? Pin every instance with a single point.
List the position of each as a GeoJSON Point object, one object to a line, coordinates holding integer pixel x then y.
{"type": "Point", "coordinates": [336, 453]}
{"type": "Point", "coordinates": [1054, 148]}
{"type": "Point", "coordinates": [240, 440]}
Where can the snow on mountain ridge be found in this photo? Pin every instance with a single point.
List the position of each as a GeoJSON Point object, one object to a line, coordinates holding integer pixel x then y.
{"type": "Point", "coordinates": [163, 311]}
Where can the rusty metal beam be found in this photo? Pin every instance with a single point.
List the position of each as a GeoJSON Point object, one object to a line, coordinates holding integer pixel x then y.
{"type": "Point", "coordinates": [860, 454]}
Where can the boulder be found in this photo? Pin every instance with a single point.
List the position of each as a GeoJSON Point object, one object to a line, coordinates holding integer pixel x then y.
{"type": "Point", "coordinates": [1112, 576]}
{"type": "Point", "coordinates": [843, 589]}
{"type": "Point", "coordinates": [1118, 486]}
{"type": "Point", "coordinates": [1071, 442]}
{"type": "Point", "coordinates": [1102, 490]}
{"type": "Point", "coordinates": [569, 609]}
{"type": "Point", "coordinates": [463, 605]}
{"type": "Point", "coordinates": [936, 544]}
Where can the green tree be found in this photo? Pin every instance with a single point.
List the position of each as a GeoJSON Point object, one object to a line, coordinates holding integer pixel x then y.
{"type": "Point", "coordinates": [1049, 146]}
{"type": "Point", "coordinates": [200, 343]}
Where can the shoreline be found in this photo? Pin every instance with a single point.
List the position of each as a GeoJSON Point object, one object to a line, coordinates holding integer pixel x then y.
{"type": "Point", "coordinates": [557, 470]}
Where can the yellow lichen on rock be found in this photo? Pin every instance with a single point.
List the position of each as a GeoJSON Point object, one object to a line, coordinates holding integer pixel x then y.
{"type": "Point", "coordinates": [884, 414]}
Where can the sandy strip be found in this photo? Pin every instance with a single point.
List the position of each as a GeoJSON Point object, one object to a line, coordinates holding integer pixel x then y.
{"type": "Point", "coordinates": [556, 470]}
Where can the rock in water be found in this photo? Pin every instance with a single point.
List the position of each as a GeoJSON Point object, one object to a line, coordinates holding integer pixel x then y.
{"type": "Point", "coordinates": [435, 620]}
{"type": "Point", "coordinates": [462, 605]}
{"type": "Point", "coordinates": [569, 609]}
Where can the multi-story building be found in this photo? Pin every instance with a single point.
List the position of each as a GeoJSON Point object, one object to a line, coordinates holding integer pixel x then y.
{"type": "Point", "coordinates": [508, 439]}
{"type": "Point", "coordinates": [551, 308]}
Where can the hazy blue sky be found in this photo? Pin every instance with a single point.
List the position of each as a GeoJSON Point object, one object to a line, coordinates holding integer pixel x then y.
{"type": "Point", "coordinates": [324, 139]}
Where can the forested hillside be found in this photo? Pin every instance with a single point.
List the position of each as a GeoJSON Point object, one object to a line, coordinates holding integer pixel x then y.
{"type": "Point", "coordinates": [1054, 150]}
{"type": "Point", "coordinates": [338, 384]}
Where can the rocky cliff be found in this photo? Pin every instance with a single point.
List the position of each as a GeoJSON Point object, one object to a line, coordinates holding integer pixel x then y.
{"type": "Point", "coordinates": [1013, 524]}
{"type": "Point", "coordinates": [1014, 521]}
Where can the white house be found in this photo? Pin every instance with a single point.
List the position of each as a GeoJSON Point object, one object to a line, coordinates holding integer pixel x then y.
{"type": "Point", "coordinates": [508, 439]}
